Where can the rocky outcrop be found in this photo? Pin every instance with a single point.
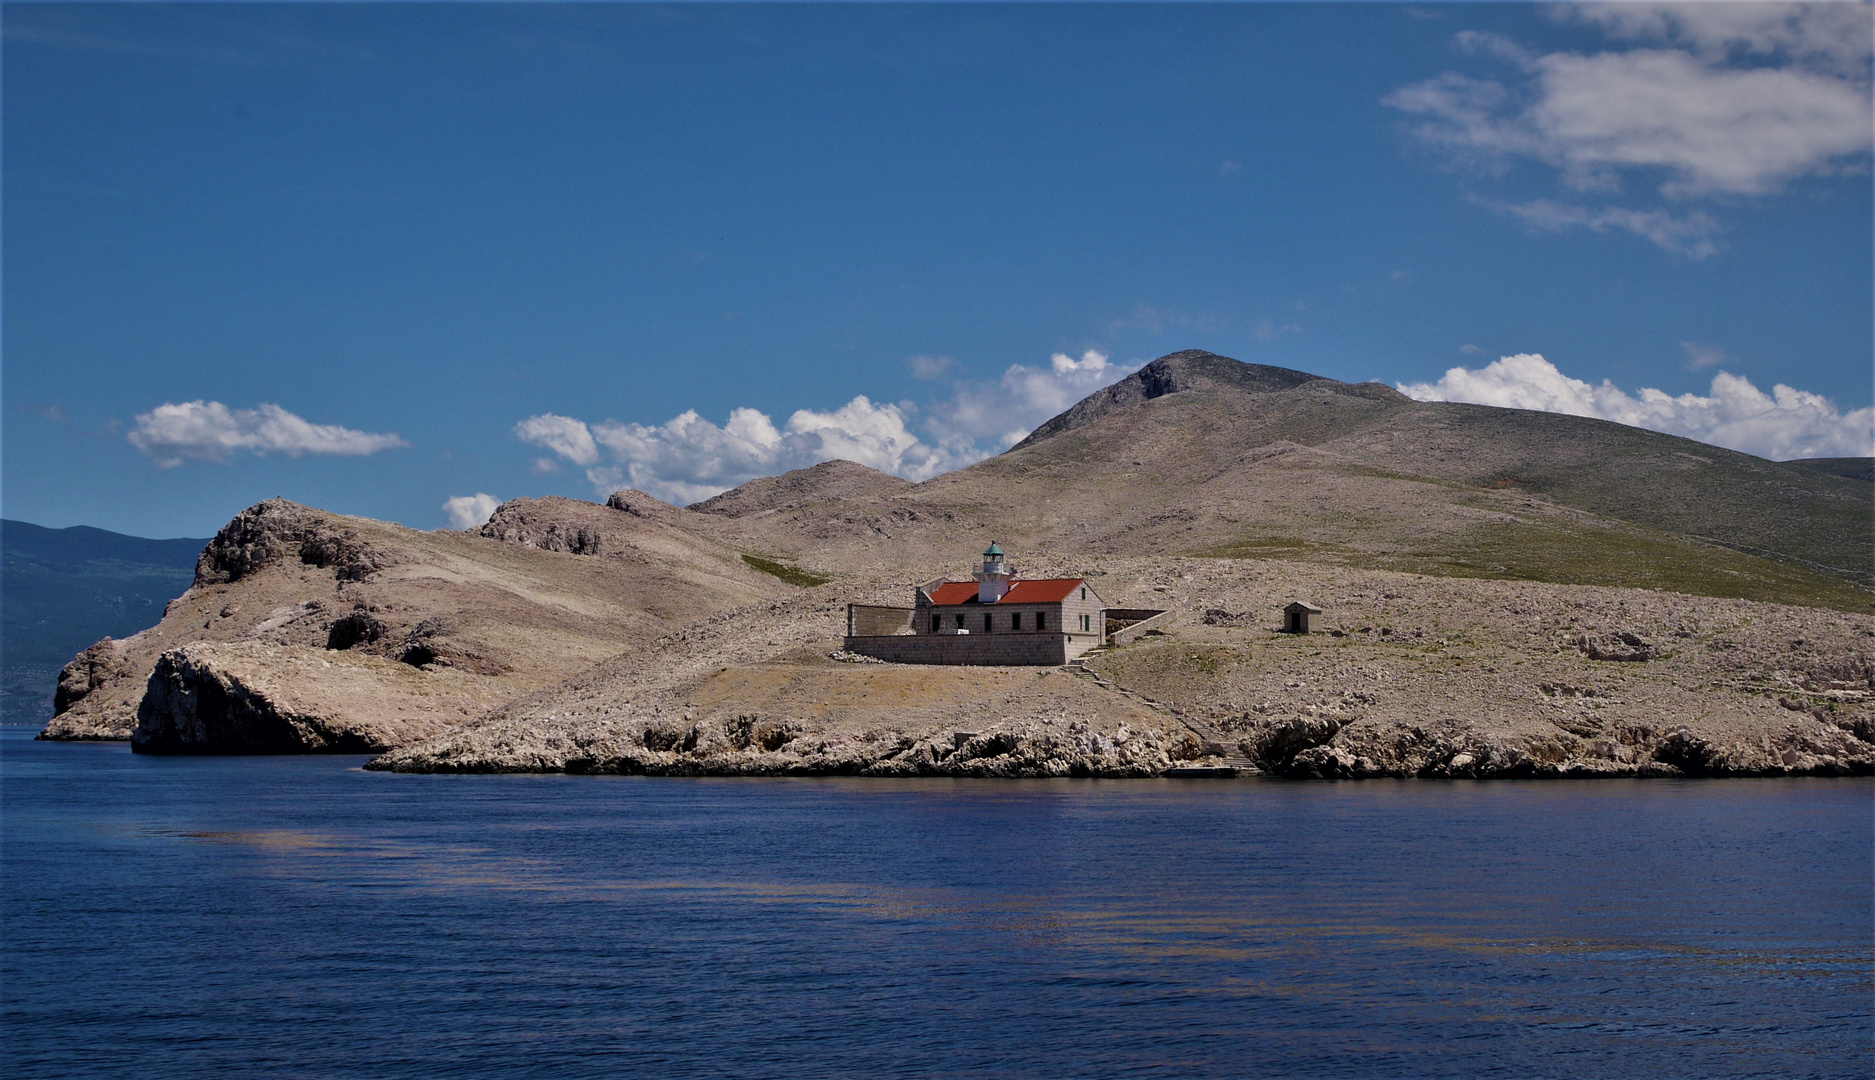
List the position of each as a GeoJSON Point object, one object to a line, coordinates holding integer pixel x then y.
{"type": "Point", "coordinates": [98, 667]}
{"type": "Point", "coordinates": [1622, 646]}
{"type": "Point", "coordinates": [355, 629]}
{"type": "Point", "coordinates": [533, 523]}
{"type": "Point", "coordinates": [89, 670]}
{"type": "Point", "coordinates": [277, 529]}
{"type": "Point", "coordinates": [258, 699]}
{"type": "Point", "coordinates": [1799, 750]}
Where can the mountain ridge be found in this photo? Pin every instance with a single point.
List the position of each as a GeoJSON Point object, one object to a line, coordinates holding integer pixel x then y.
{"type": "Point", "coordinates": [1194, 370]}
{"type": "Point", "coordinates": [1204, 425]}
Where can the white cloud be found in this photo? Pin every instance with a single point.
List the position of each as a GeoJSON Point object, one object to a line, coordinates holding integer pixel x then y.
{"type": "Point", "coordinates": [171, 434]}
{"type": "Point", "coordinates": [563, 435]}
{"type": "Point", "coordinates": [1735, 99]}
{"type": "Point", "coordinates": [1709, 129]}
{"type": "Point", "coordinates": [1833, 36]}
{"type": "Point", "coordinates": [1689, 234]}
{"type": "Point", "coordinates": [470, 511]}
{"type": "Point", "coordinates": [931, 367]}
{"type": "Point", "coordinates": [981, 419]}
{"type": "Point", "coordinates": [1700, 356]}
{"type": "Point", "coordinates": [689, 458]}
{"type": "Point", "coordinates": [1784, 424]}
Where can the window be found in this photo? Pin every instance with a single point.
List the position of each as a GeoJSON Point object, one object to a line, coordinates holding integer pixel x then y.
{"type": "Point", "coordinates": [960, 622]}
{"type": "Point", "coordinates": [1041, 620]}
{"type": "Point", "coordinates": [986, 622]}
{"type": "Point", "coordinates": [1085, 628]}
{"type": "Point", "coordinates": [1083, 592]}
{"type": "Point", "coordinates": [1015, 620]}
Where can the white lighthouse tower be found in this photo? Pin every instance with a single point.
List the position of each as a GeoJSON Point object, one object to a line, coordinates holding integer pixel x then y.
{"type": "Point", "coordinates": [993, 580]}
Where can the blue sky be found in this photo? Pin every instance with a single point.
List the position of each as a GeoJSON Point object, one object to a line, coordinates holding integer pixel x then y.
{"type": "Point", "coordinates": [375, 258]}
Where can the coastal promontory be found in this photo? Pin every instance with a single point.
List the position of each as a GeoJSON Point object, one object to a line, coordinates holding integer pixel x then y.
{"type": "Point", "coordinates": [1502, 594]}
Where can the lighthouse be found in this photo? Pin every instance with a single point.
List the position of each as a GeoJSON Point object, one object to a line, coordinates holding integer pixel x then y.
{"type": "Point", "coordinates": [993, 580]}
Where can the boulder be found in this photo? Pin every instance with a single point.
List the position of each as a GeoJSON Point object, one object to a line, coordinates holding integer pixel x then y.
{"type": "Point", "coordinates": [1621, 646]}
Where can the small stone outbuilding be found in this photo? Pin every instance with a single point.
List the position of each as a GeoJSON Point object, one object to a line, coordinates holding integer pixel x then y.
{"type": "Point", "coordinates": [1299, 618]}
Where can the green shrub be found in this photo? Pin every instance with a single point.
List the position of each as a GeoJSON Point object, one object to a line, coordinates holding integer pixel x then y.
{"type": "Point", "coordinates": [793, 575]}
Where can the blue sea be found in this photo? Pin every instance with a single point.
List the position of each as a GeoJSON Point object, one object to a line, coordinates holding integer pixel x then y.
{"type": "Point", "coordinates": [299, 917]}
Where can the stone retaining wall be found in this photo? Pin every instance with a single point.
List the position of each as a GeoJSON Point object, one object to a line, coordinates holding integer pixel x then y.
{"type": "Point", "coordinates": [1138, 622]}
{"type": "Point", "coordinates": [978, 650]}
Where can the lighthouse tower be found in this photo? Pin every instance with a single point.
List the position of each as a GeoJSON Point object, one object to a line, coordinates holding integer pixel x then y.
{"type": "Point", "coordinates": [993, 580]}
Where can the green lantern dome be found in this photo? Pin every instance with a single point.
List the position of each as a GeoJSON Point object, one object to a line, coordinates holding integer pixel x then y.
{"type": "Point", "coordinates": [993, 550]}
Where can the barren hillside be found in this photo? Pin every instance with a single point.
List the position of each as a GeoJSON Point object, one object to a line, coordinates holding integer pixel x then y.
{"type": "Point", "coordinates": [1200, 454]}
{"type": "Point", "coordinates": [1415, 676]}
{"type": "Point", "coordinates": [1500, 604]}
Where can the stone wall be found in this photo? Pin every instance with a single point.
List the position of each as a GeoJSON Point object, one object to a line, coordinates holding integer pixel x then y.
{"type": "Point", "coordinates": [978, 650]}
{"type": "Point", "coordinates": [1131, 624]}
{"type": "Point", "coordinates": [867, 620]}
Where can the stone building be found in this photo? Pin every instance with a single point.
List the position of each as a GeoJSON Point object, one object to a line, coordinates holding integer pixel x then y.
{"type": "Point", "coordinates": [1299, 617]}
{"type": "Point", "coordinates": [997, 619]}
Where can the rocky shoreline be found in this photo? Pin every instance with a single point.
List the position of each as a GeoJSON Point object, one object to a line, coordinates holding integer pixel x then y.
{"type": "Point", "coordinates": [1046, 755]}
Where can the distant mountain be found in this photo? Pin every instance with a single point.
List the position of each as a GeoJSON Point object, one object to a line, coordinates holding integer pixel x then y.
{"type": "Point", "coordinates": [63, 589]}
{"type": "Point", "coordinates": [1811, 514]}
{"type": "Point", "coordinates": [1199, 454]}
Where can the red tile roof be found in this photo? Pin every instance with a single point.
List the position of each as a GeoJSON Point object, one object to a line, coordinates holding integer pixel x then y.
{"type": "Point", "coordinates": [1038, 591]}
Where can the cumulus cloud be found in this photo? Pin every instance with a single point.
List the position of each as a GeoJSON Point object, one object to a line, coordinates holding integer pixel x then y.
{"type": "Point", "coordinates": [1784, 424]}
{"type": "Point", "coordinates": [470, 511]}
{"type": "Point", "coordinates": [689, 458]}
{"type": "Point", "coordinates": [569, 438]}
{"type": "Point", "coordinates": [1714, 100]}
{"type": "Point", "coordinates": [981, 419]}
{"type": "Point", "coordinates": [171, 434]}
